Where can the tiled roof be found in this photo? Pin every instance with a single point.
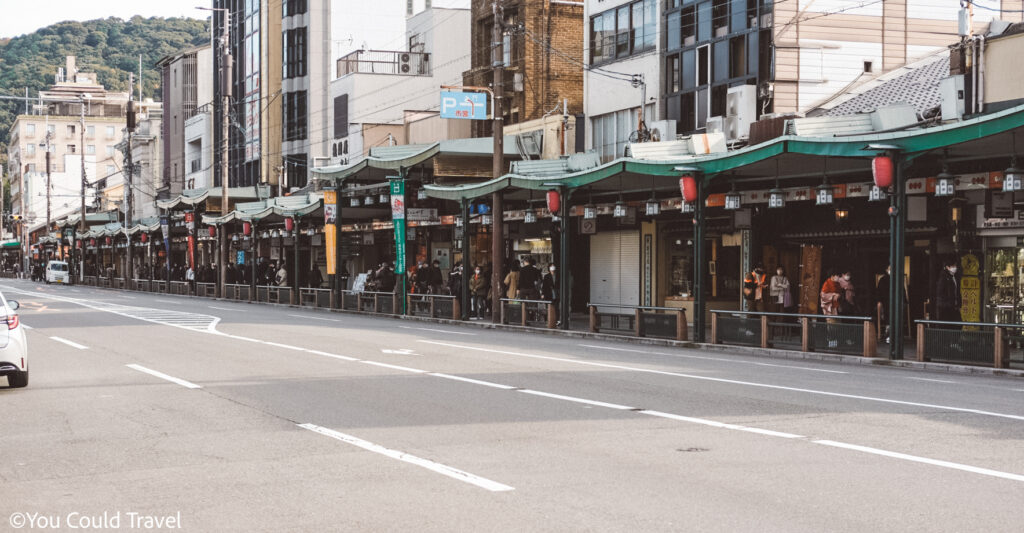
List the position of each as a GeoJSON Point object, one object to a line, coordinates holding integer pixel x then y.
{"type": "Point", "coordinates": [916, 84]}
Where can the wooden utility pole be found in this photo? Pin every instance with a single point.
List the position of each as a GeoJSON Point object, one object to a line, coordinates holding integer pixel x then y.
{"type": "Point", "coordinates": [497, 210]}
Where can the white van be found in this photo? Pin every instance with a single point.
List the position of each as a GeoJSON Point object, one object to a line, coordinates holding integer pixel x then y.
{"type": "Point", "coordinates": [56, 272]}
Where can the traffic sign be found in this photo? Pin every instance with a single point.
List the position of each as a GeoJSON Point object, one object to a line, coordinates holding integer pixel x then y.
{"type": "Point", "coordinates": [463, 105]}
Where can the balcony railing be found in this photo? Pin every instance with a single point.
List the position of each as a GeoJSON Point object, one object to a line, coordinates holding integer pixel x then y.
{"type": "Point", "coordinates": [385, 62]}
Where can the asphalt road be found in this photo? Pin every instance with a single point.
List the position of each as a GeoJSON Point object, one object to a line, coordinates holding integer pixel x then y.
{"type": "Point", "coordinates": [238, 417]}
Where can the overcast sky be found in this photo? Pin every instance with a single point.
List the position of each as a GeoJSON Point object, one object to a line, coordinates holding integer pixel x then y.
{"type": "Point", "coordinates": [21, 17]}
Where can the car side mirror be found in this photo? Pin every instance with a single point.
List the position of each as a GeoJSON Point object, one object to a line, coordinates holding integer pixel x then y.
{"type": "Point", "coordinates": [13, 304]}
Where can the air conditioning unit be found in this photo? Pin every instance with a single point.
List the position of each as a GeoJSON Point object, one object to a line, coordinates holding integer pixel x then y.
{"type": "Point", "coordinates": [741, 104]}
{"type": "Point", "coordinates": [733, 129]}
{"type": "Point", "coordinates": [662, 130]}
{"type": "Point", "coordinates": [715, 125]}
{"type": "Point", "coordinates": [408, 63]}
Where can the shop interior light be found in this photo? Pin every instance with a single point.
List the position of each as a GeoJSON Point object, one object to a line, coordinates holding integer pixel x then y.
{"type": "Point", "coordinates": [368, 200]}
{"type": "Point", "coordinates": [276, 233]}
{"type": "Point", "coordinates": [842, 214]}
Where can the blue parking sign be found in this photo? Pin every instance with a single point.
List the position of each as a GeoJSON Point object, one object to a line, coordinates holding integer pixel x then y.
{"type": "Point", "coordinates": [463, 105]}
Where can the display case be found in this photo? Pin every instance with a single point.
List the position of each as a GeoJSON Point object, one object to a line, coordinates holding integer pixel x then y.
{"type": "Point", "coordinates": [1004, 301]}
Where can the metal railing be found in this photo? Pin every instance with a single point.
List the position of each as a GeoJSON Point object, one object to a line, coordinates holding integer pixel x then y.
{"type": "Point", "coordinates": [643, 321]}
{"type": "Point", "coordinates": [384, 62]}
{"type": "Point", "coordinates": [530, 313]}
{"type": "Point", "coordinates": [235, 291]}
{"type": "Point", "coordinates": [973, 343]}
{"type": "Point", "coordinates": [90, 281]}
{"type": "Point", "coordinates": [853, 335]}
{"type": "Point", "coordinates": [180, 288]}
{"type": "Point", "coordinates": [433, 305]}
{"type": "Point", "coordinates": [370, 302]}
{"type": "Point", "coordinates": [206, 290]}
{"type": "Point", "coordinates": [309, 297]}
{"type": "Point", "coordinates": [273, 294]}
{"type": "Point", "coordinates": [118, 283]}
{"type": "Point", "coordinates": [158, 286]}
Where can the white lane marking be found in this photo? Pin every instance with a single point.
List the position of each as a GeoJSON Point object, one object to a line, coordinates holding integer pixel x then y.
{"type": "Point", "coordinates": [722, 425]}
{"type": "Point", "coordinates": [285, 346]}
{"type": "Point", "coordinates": [395, 367]}
{"type": "Point", "coordinates": [168, 302]}
{"type": "Point", "coordinates": [316, 318]}
{"type": "Point", "coordinates": [925, 460]}
{"type": "Point", "coordinates": [733, 381]}
{"type": "Point", "coordinates": [334, 356]}
{"type": "Point", "coordinates": [69, 343]}
{"type": "Point", "coordinates": [576, 400]}
{"type": "Point", "coordinates": [403, 351]}
{"type": "Point", "coordinates": [221, 308]}
{"type": "Point", "coordinates": [473, 381]}
{"type": "Point", "coordinates": [125, 297]}
{"type": "Point", "coordinates": [933, 380]}
{"type": "Point", "coordinates": [719, 359]}
{"type": "Point", "coordinates": [439, 330]}
{"type": "Point", "coordinates": [161, 375]}
{"type": "Point", "coordinates": [444, 470]}
{"type": "Point", "coordinates": [26, 326]}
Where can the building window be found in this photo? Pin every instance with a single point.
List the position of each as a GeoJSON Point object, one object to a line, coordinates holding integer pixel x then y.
{"type": "Point", "coordinates": [611, 131]}
{"type": "Point", "coordinates": [90, 149]}
{"type": "Point", "coordinates": [31, 167]}
{"type": "Point", "coordinates": [110, 171]}
{"type": "Point", "coordinates": [672, 81]}
{"type": "Point", "coordinates": [71, 129]}
{"type": "Point", "coordinates": [51, 129]}
{"type": "Point", "coordinates": [30, 149]}
{"type": "Point", "coordinates": [341, 116]}
{"type": "Point", "coordinates": [71, 148]}
{"type": "Point", "coordinates": [30, 130]}
{"type": "Point", "coordinates": [294, 7]}
{"type": "Point", "coordinates": [110, 132]}
{"type": "Point", "coordinates": [110, 151]}
{"type": "Point", "coordinates": [295, 116]}
{"type": "Point", "coordinates": [90, 131]}
{"type": "Point", "coordinates": [294, 53]}
{"type": "Point", "coordinates": [624, 31]}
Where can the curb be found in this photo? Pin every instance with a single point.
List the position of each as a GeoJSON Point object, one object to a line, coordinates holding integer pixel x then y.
{"type": "Point", "coordinates": [770, 353]}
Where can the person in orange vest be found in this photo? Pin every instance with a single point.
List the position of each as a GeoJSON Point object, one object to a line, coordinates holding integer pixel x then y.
{"type": "Point", "coordinates": [754, 285]}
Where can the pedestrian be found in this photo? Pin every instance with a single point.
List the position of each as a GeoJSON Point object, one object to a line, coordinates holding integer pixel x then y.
{"type": "Point", "coordinates": [478, 288]}
{"type": "Point", "coordinates": [455, 281]}
{"type": "Point", "coordinates": [754, 285]}
{"type": "Point", "coordinates": [947, 293]}
{"type": "Point", "coordinates": [782, 300]}
{"type": "Point", "coordinates": [549, 285]}
{"type": "Point", "coordinates": [529, 280]}
{"type": "Point", "coordinates": [190, 277]}
{"type": "Point", "coordinates": [316, 279]}
{"type": "Point", "coordinates": [281, 278]}
{"type": "Point", "coordinates": [847, 302]}
{"type": "Point", "coordinates": [512, 281]}
{"type": "Point", "coordinates": [435, 279]}
{"type": "Point", "coordinates": [831, 292]}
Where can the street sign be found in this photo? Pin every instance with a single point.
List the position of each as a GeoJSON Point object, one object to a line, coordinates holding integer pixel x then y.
{"type": "Point", "coordinates": [463, 105]}
{"type": "Point", "coordinates": [240, 259]}
{"type": "Point", "coordinates": [398, 217]}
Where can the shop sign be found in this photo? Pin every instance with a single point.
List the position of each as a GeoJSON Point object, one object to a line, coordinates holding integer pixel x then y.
{"type": "Point", "coordinates": [331, 229]}
{"type": "Point", "coordinates": [419, 214]}
{"type": "Point", "coordinates": [398, 218]}
{"type": "Point", "coordinates": [970, 289]}
{"type": "Point", "coordinates": [240, 258]}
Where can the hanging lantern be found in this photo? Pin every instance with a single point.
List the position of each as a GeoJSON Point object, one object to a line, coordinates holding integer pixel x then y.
{"type": "Point", "coordinates": [688, 186]}
{"type": "Point", "coordinates": [275, 233]}
{"type": "Point", "coordinates": [688, 207]}
{"type": "Point", "coordinates": [266, 234]}
{"type": "Point", "coordinates": [842, 214]}
{"type": "Point", "coordinates": [234, 237]}
{"type": "Point", "coordinates": [354, 202]}
{"type": "Point", "coordinates": [212, 230]}
{"type": "Point", "coordinates": [653, 207]}
{"type": "Point", "coordinates": [945, 184]}
{"type": "Point", "coordinates": [530, 217]}
{"type": "Point", "coordinates": [554, 201]}
{"type": "Point", "coordinates": [92, 242]}
{"type": "Point", "coordinates": [486, 220]}
{"type": "Point", "coordinates": [621, 210]}
{"type": "Point", "coordinates": [289, 223]}
{"type": "Point", "coordinates": [78, 244]}
{"type": "Point", "coordinates": [589, 212]}
{"type": "Point", "coordinates": [733, 201]}
{"type": "Point", "coordinates": [776, 199]}
{"type": "Point", "coordinates": [824, 195]}
{"type": "Point", "coordinates": [876, 194]}
{"type": "Point", "coordinates": [1012, 177]}
{"type": "Point", "coordinates": [144, 237]}
{"type": "Point", "coordinates": [109, 241]}
{"type": "Point", "coordinates": [368, 200]}
{"type": "Point", "coordinates": [882, 170]}
{"type": "Point", "coordinates": [247, 228]}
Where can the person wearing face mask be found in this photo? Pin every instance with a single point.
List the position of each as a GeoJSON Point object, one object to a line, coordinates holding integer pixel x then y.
{"type": "Point", "coordinates": [479, 285]}
{"type": "Point", "coordinates": [947, 293]}
{"type": "Point", "coordinates": [754, 285]}
{"type": "Point", "coordinates": [549, 286]}
{"type": "Point", "coordinates": [781, 299]}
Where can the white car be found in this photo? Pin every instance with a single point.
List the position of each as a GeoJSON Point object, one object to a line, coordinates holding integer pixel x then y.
{"type": "Point", "coordinates": [56, 272]}
{"type": "Point", "coordinates": [13, 345]}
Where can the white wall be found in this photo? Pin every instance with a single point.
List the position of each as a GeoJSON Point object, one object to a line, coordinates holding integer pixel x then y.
{"type": "Point", "coordinates": [826, 67]}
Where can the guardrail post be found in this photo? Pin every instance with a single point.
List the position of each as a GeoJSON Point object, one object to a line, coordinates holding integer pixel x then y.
{"type": "Point", "coordinates": [682, 328]}
{"type": "Point", "coordinates": [920, 343]}
{"type": "Point", "coordinates": [523, 307]}
{"type": "Point", "coordinates": [805, 334]}
{"type": "Point", "coordinates": [870, 340]}
{"type": "Point", "coordinates": [397, 309]}
{"type": "Point", "coordinates": [593, 319]}
{"type": "Point", "coordinates": [432, 308]}
{"type": "Point", "coordinates": [764, 331]}
{"type": "Point", "coordinates": [552, 315]}
{"type": "Point", "coordinates": [1001, 360]}
{"type": "Point", "coordinates": [714, 327]}
{"type": "Point", "coordinates": [638, 326]}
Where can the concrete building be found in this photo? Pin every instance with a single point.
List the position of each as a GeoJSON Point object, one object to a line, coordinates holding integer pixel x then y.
{"type": "Point", "coordinates": [545, 58]}
{"type": "Point", "coordinates": [391, 97]}
{"type": "Point", "coordinates": [148, 152]}
{"type": "Point", "coordinates": [186, 125]}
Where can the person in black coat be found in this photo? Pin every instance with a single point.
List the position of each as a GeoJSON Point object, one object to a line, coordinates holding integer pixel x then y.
{"type": "Point", "coordinates": [549, 285]}
{"type": "Point", "coordinates": [529, 278]}
{"type": "Point", "coordinates": [947, 294]}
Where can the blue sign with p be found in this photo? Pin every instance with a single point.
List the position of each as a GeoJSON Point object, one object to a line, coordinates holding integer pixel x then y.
{"type": "Point", "coordinates": [463, 105]}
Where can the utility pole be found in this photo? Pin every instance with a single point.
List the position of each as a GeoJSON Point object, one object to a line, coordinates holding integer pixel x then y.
{"type": "Point", "coordinates": [129, 191]}
{"type": "Point", "coordinates": [225, 81]}
{"type": "Point", "coordinates": [81, 221]}
{"type": "Point", "coordinates": [497, 210]}
{"type": "Point", "coordinates": [48, 135]}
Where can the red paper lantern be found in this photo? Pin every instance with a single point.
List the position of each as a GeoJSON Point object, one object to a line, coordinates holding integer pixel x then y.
{"type": "Point", "coordinates": [688, 186]}
{"type": "Point", "coordinates": [554, 201]}
{"type": "Point", "coordinates": [144, 237]}
{"type": "Point", "coordinates": [882, 170]}
{"type": "Point", "coordinates": [78, 244]}
{"type": "Point", "coordinates": [109, 241]}
{"type": "Point", "coordinates": [212, 230]}
{"type": "Point", "coordinates": [289, 224]}
{"type": "Point", "coordinates": [92, 242]}
{"type": "Point", "coordinates": [247, 228]}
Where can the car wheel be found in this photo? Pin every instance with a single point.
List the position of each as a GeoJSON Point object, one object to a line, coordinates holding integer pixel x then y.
{"type": "Point", "coordinates": [17, 380]}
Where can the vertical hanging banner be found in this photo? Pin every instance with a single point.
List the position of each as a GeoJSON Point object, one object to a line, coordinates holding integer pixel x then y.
{"type": "Point", "coordinates": [330, 230]}
{"type": "Point", "coordinates": [398, 219]}
{"type": "Point", "coordinates": [190, 223]}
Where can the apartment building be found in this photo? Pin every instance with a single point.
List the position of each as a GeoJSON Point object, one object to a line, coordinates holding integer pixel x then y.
{"type": "Point", "coordinates": [186, 125]}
